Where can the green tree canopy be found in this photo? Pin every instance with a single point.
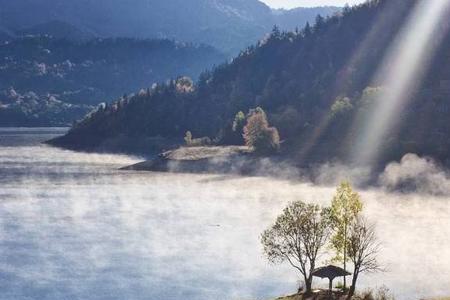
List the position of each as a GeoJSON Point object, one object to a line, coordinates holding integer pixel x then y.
{"type": "Point", "coordinates": [345, 208]}
{"type": "Point", "coordinates": [297, 237]}
{"type": "Point", "coordinates": [239, 122]}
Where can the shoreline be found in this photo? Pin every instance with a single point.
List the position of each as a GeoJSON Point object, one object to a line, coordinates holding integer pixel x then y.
{"type": "Point", "coordinates": [236, 160]}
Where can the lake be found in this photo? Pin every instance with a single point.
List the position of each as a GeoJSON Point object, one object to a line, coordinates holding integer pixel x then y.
{"type": "Point", "coordinates": [72, 226]}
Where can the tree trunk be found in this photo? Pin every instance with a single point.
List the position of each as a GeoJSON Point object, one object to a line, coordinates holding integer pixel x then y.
{"type": "Point", "coordinates": [308, 285]}
{"type": "Point", "coordinates": [353, 287]}
{"type": "Point", "coordinates": [345, 254]}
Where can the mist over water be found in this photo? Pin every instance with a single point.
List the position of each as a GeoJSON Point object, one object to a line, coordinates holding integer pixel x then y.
{"type": "Point", "coordinates": [74, 227]}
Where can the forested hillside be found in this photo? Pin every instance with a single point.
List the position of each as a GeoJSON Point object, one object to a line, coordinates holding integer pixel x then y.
{"type": "Point", "coordinates": [49, 81]}
{"type": "Point", "coordinates": [228, 25]}
{"type": "Point", "coordinates": [314, 85]}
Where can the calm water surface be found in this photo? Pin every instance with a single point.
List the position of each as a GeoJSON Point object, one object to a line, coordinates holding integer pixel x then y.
{"type": "Point", "coordinates": [73, 227]}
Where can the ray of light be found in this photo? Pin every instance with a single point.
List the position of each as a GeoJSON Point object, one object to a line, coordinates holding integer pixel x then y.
{"type": "Point", "coordinates": [343, 84]}
{"type": "Point", "coordinates": [403, 68]}
{"type": "Point", "coordinates": [386, 18]}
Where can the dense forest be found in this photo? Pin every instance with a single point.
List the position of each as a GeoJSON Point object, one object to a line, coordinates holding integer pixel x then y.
{"type": "Point", "coordinates": [300, 78]}
{"type": "Point", "coordinates": [228, 25]}
{"type": "Point", "coordinates": [52, 81]}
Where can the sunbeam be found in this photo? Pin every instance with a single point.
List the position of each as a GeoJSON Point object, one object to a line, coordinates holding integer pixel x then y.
{"type": "Point", "coordinates": [403, 68]}
{"type": "Point", "coordinates": [386, 18]}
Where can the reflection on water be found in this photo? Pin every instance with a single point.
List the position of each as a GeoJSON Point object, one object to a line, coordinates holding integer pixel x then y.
{"type": "Point", "coordinates": [72, 227]}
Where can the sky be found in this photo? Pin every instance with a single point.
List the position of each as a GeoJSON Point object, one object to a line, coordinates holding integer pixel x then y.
{"type": "Point", "coordinates": [308, 3]}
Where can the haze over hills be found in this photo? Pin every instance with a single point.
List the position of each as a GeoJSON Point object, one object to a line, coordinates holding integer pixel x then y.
{"type": "Point", "coordinates": [315, 85]}
{"type": "Point", "coordinates": [32, 27]}
{"type": "Point", "coordinates": [229, 25]}
{"type": "Point", "coordinates": [58, 30]}
{"type": "Point", "coordinates": [46, 81]}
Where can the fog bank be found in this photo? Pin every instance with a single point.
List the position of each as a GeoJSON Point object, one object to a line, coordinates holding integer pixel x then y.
{"type": "Point", "coordinates": [72, 226]}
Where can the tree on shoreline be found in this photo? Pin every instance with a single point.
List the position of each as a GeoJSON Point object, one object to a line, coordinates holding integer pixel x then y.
{"type": "Point", "coordinates": [297, 237]}
{"type": "Point", "coordinates": [238, 122]}
{"type": "Point", "coordinates": [259, 135]}
{"type": "Point", "coordinates": [363, 248]}
{"type": "Point", "coordinates": [345, 208]}
{"type": "Point", "coordinates": [302, 231]}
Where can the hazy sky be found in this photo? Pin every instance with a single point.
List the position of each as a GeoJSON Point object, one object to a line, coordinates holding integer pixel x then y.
{"type": "Point", "coordinates": [308, 3]}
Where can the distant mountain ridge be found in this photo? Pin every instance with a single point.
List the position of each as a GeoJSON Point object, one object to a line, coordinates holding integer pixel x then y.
{"type": "Point", "coordinates": [229, 25]}
{"type": "Point", "coordinates": [288, 19]}
{"type": "Point", "coordinates": [57, 29]}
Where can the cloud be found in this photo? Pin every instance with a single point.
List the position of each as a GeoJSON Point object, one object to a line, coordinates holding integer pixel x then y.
{"type": "Point", "coordinates": [416, 174]}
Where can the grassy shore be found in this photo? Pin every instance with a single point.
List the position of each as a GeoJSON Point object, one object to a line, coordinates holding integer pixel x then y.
{"type": "Point", "coordinates": [218, 159]}
{"type": "Point", "coordinates": [323, 295]}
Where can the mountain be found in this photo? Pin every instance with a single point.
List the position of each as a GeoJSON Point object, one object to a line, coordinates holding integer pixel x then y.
{"type": "Point", "coordinates": [44, 79]}
{"type": "Point", "coordinates": [57, 29]}
{"type": "Point", "coordinates": [288, 19]}
{"type": "Point", "coordinates": [228, 25]}
{"type": "Point", "coordinates": [314, 85]}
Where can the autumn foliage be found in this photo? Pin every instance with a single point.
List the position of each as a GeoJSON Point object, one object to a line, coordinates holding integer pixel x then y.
{"type": "Point", "coordinates": [259, 135]}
